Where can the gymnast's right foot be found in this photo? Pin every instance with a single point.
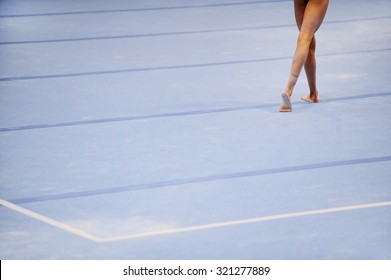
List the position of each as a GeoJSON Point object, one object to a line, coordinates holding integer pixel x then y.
{"type": "Point", "coordinates": [312, 98]}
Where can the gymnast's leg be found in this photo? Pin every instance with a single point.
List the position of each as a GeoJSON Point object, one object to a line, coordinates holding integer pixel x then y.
{"type": "Point", "coordinates": [309, 16]}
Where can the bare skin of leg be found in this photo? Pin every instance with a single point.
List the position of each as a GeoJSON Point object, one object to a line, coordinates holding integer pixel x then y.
{"type": "Point", "coordinates": [309, 16]}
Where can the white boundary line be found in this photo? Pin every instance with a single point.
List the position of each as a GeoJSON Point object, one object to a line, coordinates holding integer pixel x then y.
{"type": "Point", "coordinates": [250, 220]}
{"type": "Point", "coordinates": [91, 237]}
{"type": "Point", "coordinates": [49, 221]}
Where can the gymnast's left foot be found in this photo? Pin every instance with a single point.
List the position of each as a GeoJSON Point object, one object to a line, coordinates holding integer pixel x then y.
{"type": "Point", "coordinates": [286, 105]}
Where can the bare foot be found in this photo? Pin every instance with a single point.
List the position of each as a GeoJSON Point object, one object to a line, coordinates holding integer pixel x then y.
{"type": "Point", "coordinates": [286, 105]}
{"type": "Point", "coordinates": [312, 98]}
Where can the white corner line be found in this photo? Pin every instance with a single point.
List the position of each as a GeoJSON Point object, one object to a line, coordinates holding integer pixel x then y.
{"type": "Point", "coordinates": [91, 237]}
{"type": "Point", "coordinates": [248, 221]}
{"type": "Point", "coordinates": [49, 221]}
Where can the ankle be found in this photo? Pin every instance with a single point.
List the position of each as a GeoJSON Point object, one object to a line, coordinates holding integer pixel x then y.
{"type": "Point", "coordinates": [288, 91]}
{"type": "Point", "coordinates": [314, 93]}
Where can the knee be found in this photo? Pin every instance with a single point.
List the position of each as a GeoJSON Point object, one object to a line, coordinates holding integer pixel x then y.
{"type": "Point", "coordinates": [305, 39]}
{"type": "Point", "coordinates": [312, 46]}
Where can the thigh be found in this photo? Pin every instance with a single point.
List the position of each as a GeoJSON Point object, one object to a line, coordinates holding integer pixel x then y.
{"type": "Point", "coordinates": [314, 14]}
{"type": "Point", "coordinates": [299, 6]}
